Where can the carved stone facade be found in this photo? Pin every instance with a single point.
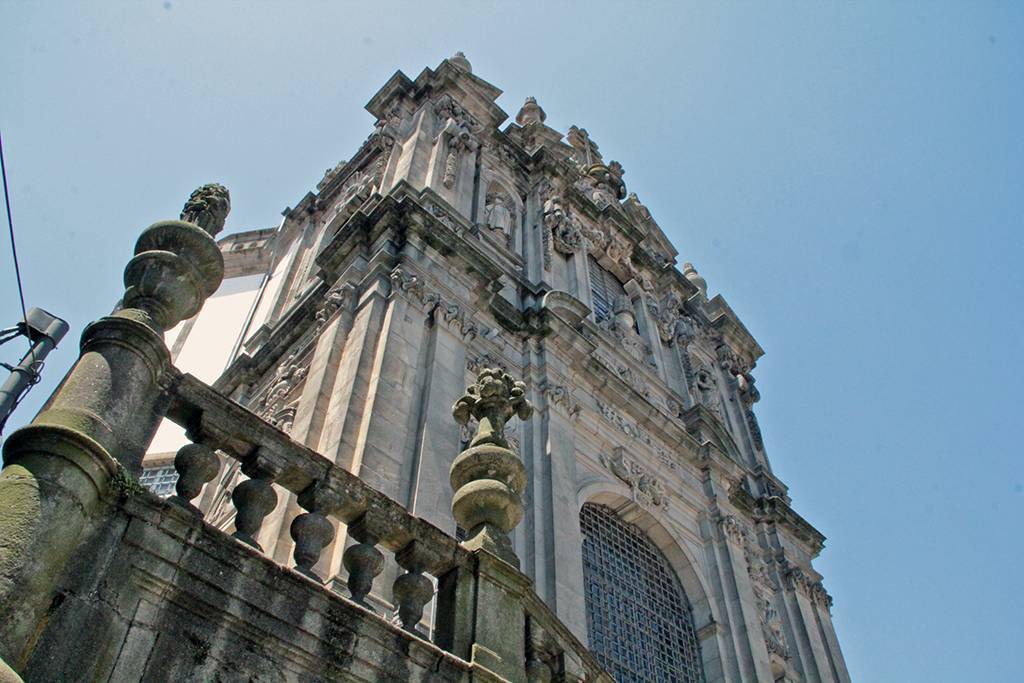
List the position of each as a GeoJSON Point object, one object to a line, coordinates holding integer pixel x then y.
{"type": "Point", "coordinates": [453, 242]}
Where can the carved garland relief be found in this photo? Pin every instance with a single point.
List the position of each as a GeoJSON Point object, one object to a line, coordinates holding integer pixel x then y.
{"type": "Point", "coordinates": [452, 314]}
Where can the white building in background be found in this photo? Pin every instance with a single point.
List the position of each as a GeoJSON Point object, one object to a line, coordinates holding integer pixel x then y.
{"type": "Point", "coordinates": [654, 526]}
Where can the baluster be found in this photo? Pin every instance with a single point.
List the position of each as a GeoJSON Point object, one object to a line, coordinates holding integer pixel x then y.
{"type": "Point", "coordinates": [538, 646]}
{"type": "Point", "coordinates": [196, 464]}
{"type": "Point", "coordinates": [254, 499]}
{"type": "Point", "coordinates": [312, 531]}
{"type": "Point", "coordinates": [362, 560]}
{"type": "Point", "coordinates": [412, 590]}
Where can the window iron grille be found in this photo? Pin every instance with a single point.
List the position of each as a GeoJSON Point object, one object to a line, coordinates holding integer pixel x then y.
{"type": "Point", "coordinates": [639, 620]}
{"type": "Point", "coordinates": [159, 480]}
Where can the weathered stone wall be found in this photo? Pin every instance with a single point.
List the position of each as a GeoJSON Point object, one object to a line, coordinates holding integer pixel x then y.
{"type": "Point", "coordinates": [156, 595]}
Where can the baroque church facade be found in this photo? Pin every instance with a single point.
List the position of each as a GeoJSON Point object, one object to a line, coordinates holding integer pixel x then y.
{"type": "Point", "coordinates": [653, 525]}
{"type": "Point", "coordinates": [652, 540]}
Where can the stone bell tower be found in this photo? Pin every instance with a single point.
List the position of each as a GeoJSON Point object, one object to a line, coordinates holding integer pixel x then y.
{"type": "Point", "coordinates": [454, 249]}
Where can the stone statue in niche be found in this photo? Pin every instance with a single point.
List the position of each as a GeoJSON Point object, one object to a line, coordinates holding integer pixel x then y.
{"type": "Point", "coordinates": [706, 385]}
{"type": "Point", "coordinates": [497, 214]}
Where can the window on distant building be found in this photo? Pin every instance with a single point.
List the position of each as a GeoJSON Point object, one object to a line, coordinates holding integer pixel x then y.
{"type": "Point", "coordinates": [638, 618]}
{"type": "Point", "coordinates": [160, 480]}
{"type": "Point", "coordinates": [605, 288]}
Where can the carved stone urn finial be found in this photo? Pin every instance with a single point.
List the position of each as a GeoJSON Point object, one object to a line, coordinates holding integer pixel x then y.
{"type": "Point", "coordinates": [530, 112]}
{"type": "Point", "coordinates": [459, 60]}
{"type": "Point", "coordinates": [208, 207]}
{"type": "Point", "coordinates": [177, 264]}
{"type": "Point", "coordinates": [691, 274]}
{"type": "Point", "coordinates": [488, 477]}
{"type": "Point", "coordinates": [493, 400]}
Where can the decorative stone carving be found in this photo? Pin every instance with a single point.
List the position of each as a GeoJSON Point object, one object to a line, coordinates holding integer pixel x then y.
{"type": "Point", "coordinates": [771, 627]}
{"type": "Point", "coordinates": [733, 529]}
{"type": "Point", "coordinates": [451, 163]}
{"type": "Point", "coordinates": [439, 212]}
{"type": "Point", "coordinates": [797, 579]}
{"type": "Point", "coordinates": [384, 140]}
{"type": "Point", "coordinates": [563, 226]}
{"type": "Point", "coordinates": [330, 174]}
{"type": "Point", "coordinates": [636, 382]}
{"type": "Point", "coordinates": [208, 207]}
{"type": "Point", "coordinates": [820, 596]}
{"type": "Point", "coordinates": [559, 396]}
{"type": "Point", "coordinates": [647, 489]}
{"type": "Point", "coordinates": [287, 377]}
{"type": "Point", "coordinates": [476, 363]}
{"type": "Point", "coordinates": [452, 314]}
{"type": "Point", "coordinates": [488, 477]}
{"type": "Point", "coordinates": [336, 298]}
{"type": "Point", "coordinates": [447, 109]}
{"type": "Point", "coordinates": [632, 430]}
{"type": "Point", "coordinates": [177, 265]}
{"type": "Point", "coordinates": [355, 186]}
{"type": "Point", "coordinates": [530, 113]}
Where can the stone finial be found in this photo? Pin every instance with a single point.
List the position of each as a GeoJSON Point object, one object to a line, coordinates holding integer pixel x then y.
{"type": "Point", "coordinates": [531, 112]}
{"type": "Point", "coordinates": [493, 399]}
{"type": "Point", "coordinates": [208, 207]}
{"type": "Point", "coordinates": [459, 60]}
{"type": "Point", "coordinates": [691, 274]}
{"type": "Point", "coordinates": [488, 477]}
{"type": "Point", "coordinates": [177, 264]}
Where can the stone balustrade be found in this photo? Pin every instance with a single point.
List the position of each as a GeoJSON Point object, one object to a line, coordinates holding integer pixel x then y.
{"type": "Point", "coordinates": [324, 490]}
{"type": "Point", "coordinates": [547, 650]}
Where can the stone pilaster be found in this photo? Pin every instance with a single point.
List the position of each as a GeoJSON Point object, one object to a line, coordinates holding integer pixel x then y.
{"type": "Point", "coordinates": [751, 655]}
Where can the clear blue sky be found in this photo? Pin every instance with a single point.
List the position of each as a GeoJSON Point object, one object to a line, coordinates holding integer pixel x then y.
{"type": "Point", "coordinates": [848, 175]}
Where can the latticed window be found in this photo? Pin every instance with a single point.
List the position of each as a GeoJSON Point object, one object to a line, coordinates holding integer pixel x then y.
{"type": "Point", "coordinates": [604, 289]}
{"type": "Point", "coordinates": [159, 480]}
{"type": "Point", "coordinates": [638, 618]}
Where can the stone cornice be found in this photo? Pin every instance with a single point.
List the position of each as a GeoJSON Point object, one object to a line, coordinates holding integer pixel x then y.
{"type": "Point", "coordinates": [775, 509]}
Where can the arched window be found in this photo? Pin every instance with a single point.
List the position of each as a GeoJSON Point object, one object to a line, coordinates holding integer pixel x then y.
{"type": "Point", "coordinates": [638, 618]}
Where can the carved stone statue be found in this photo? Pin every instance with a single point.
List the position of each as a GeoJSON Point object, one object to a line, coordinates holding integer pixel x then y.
{"type": "Point", "coordinates": [497, 213]}
{"type": "Point", "coordinates": [208, 208]}
{"type": "Point", "coordinates": [706, 385]}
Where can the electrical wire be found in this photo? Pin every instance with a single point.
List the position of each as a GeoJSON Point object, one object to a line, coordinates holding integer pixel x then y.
{"type": "Point", "coordinates": [14, 248]}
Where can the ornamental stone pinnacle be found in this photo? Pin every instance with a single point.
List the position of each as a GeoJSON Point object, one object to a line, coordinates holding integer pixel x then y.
{"type": "Point", "coordinates": [208, 207]}
{"type": "Point", "coordinates": [177, 264]}
{"type": "Point", "coordinates": [488, 477]}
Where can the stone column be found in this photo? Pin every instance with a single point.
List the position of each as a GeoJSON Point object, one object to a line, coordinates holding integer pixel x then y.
{"type": "Point", "coordinates": [88, 441]}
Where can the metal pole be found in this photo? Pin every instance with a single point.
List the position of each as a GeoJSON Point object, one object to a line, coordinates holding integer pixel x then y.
{"type": "Point", "coordinates": [46, 331]}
